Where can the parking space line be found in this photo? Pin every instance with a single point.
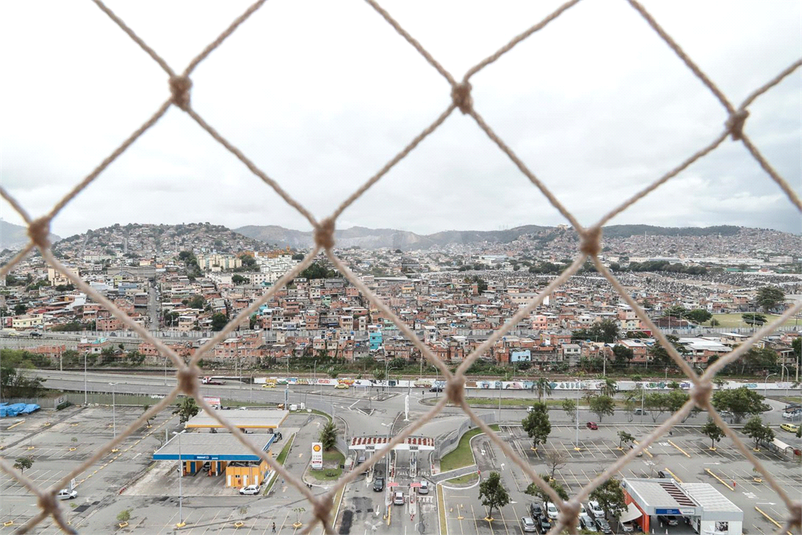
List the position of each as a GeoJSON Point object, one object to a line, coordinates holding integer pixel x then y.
{"type": "Point", "coordinates": [168, 524]}
{"type": "Point", "coordinates": [646, 451]}
{"type": "Point", "coordinates": [503, 520]}
{"type": "Point", "coordinates": [673, 475]}
{"type": "Point", "coordinates": [680, 449]}
{"type": "Point", "coordinates": [718, 478]}
{"type": "Point", "coordinates": [770, 519]}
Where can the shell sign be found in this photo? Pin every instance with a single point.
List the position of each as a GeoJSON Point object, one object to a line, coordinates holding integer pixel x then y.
{"type": "Point", "coordinates": [317, 456]}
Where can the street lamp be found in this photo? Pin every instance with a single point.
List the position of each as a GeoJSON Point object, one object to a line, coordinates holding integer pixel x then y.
{"type": "Point", "coordinates": [180, 487]}
{"type": "Point", "coordinates": [85, 390]}
{"type": "Point", "coordinates": [765, 383]}
{"type": "Point", "coordinates": [113, 408]}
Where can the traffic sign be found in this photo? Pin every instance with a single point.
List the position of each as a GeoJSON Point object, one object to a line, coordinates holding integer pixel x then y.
{"type": "Point", "coordinates": [392, 484]}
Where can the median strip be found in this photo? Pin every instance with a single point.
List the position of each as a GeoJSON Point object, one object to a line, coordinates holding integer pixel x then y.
{"type": "Point", "coordinates": [441, 504]}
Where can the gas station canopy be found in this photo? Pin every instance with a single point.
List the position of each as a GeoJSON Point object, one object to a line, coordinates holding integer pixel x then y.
{"type": "Point", "coordinates": [212, 447]}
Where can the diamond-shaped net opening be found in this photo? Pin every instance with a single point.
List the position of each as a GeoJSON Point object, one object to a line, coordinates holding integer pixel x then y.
{"type": "Point", "coordinates": [179, 93]}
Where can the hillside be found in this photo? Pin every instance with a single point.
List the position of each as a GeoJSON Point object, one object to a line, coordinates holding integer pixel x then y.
{"type": "Point", "coordinates": [14, 236]}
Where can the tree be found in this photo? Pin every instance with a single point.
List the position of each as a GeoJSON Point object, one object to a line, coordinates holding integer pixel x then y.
{"type": "Point", "coordinates": [602, 406]}
{"type": "Point", "coordinates": [328, 435]}
{"type": "Point", "coordinates": [609, 388]}
{"type": "Point", "coordinates": [144, 410]}
{"type": "Point", "coordinates": [757, 431]}
{"type": "Point", "coordinates": [740, 402]}
{"type": "Point", "coordinates": [555, 459]}
{"type": "Point", "coordinates": [318, 271]}
{"type": "Point", "coordinates": [714, 322]}
{"type": "Point", "coordinates": [219, 320]}
{"type": "Point", "coordinates": [23, 463]}
{"type": "Point", "coordinates": [492, 493]}
{"type": "Point", "coordinates": [713, 432]}
{"type": "Point", "coordinates": [753, 318]}
{"type": "Point", "coordinates": [699, 315]}
{"type": "Point", "coordinates": [610, 496]}
{"type": "Point", "coordinates": [239, 279]}
{"type": "Point", "coordinates": [20, 309]}
{"type": "Point", "coordinates": [124, 515]}
{"type": "Point", "coordinates": [769, 297]}
{"type": "Point", "coordinates": [197, 301]}
{"type": "Point", "coordinates": [676, 311]}
{"type": "Point", "coordinates": [624, 438]}
{"type": "Point", "coordinates": [659, 355]}
{"type": "Point", "coordinates": [540, 494]}
{"type": "Point", "coordinates": [623, 355]}
{"type": "Point", "coordinates": [543, 386]}
{"type": "Point", "coordinates": [604, 331]}
{"type": "Point", "coordinates": [186, 409]}
{"type": "Point", "coordinates": [537, 424]}
{"type": "Point", "coordinates": [569, 406]}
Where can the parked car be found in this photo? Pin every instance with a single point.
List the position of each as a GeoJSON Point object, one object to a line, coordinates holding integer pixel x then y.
{"type": "Point", "coordinates": [436, 388]}
{"type": "Point", "coordinates": [398, 498]}
{"type": "Point", "coordinates": [378, 484]}
{"type": "Point", "coordinates": [587, 523]}
{"type": "Point", "coordinates": [424, 487]}
{"type": "Point", "coordinates": [551, 511]}
{"type": "Point", "coordinates": [792, 414]}
{"type": "Point", "coordinates": [639, 412]}
{"type": "Point", "coordinates": [535, 510]}
{"type": "Point", "coordinates": [67, 494]}
{"type": "Point", "coordinates": [661, 474]}
{"type": "Point", "coordinates": [593, 425]}
{"type": "Point", "coordinates": [543, 524]}
{"type": "Point", "coordinates": [790, 427]}
{"type": "Point", "coordinates": [342, 386]}
{"type": "Point", "coordinates": [249, 490]}
{"type": "Point", "coordinates": [603, 526]}
{"type": "Point", "coordinates": [595, 509]}
{"type": "Point", "coordinates": [626, 527]}
{"type": "Point", "coordinates": [668, 520]}
{"type": "Point", "coordinates": [528, 525]}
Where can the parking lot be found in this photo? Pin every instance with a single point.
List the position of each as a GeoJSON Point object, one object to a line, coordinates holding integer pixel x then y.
{"type": "Point", "coordinates": [683, 455]}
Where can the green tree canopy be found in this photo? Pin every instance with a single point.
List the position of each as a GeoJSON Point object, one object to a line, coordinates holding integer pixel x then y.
{"type": "Point", "coordinates": [187, 408]}
{"type": "Point", "coordinates": [624, 438]}
{"type": "Point", "coordinates": [537, 424]}
{"type": "Point", "coordinates": [492, 493]}
{"type": "Point", "coordinates": [219, 320]}
{"type": "Point", "coordinates": [540, 494]}
{"type": "Point", "coordinates": [713, 432]}
{"type": "Point", "coordinates": [769, 297]}
{"type": "Point", "coordinates": [23, 463]}
{"type": "Point", "coordinates": [610, 496]}
{"type": "Point", "coordinates": [740, 402]}
{"type": "Point", "coordinates": [569, 406]}
{"type": "Point", "coordinates": [758, 431]}
{"type": "Point", "coordinates": [328, 435]}
{"type": "Point", "coordinates": [543, 386]}
{"type": "Point", "coordinates": [604, 331]}
{"type": "Point", "coordinates": [699, 315]}
{"type": "Point", "coordinates": [602, 406]}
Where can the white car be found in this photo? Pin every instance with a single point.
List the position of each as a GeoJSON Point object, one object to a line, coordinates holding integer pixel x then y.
{"type": "Point", "coordinates": [595, 510]}
{"type": "Point", "coordinates": [551, 511]}
{"type": "Point", "coordinates": [626, 527]}
{"type": "Point", "coordinates": [67, 494]}
{"type": "Point", "coordinates": [250, 489]}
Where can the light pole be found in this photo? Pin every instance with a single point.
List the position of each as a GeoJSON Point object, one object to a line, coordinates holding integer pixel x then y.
{"type": "Point", "coordinates": [165, 371]}
{"type": "Point", "coordinates": [86, 401]}
{"type": "Point", "coordinates": [113, 408]}
{"type": "Point", "coordinates": [765, 383]}
{"type": "Point", "coordinates": [180, 479]}
{"type": "Point", "coordinates": [576, 442]}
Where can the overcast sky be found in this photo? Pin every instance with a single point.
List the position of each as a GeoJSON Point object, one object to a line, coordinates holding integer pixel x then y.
{"type": "Point", "coordinates": [320, 94]}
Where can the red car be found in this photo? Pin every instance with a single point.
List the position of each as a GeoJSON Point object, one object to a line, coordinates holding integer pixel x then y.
{"type": "Point", "coordinates": [592, 425]}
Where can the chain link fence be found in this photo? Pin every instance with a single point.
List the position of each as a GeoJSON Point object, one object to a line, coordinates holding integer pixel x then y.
{"type": "Point", "coordinates": [180, 85]}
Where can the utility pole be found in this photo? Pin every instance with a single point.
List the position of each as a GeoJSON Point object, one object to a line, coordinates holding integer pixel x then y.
{"type": "Point", "coordinates": [85, 389]}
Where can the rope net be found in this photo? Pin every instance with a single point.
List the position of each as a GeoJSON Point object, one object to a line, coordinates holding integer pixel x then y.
{"type": "Point", "coordinates": [187, 383]}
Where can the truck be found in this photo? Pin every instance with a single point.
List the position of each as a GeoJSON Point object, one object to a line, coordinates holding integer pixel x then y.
{"type": "Point", "coordinates": [212, 381]}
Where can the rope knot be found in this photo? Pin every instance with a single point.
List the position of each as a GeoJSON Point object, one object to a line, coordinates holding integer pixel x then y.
{"type": "Point", "coordinates": [322, 509]}
{"type": "Point", "coordinates": [735, 124]}
{"type": "Point", "coordinates": [39, 231]}
{"type": "Point", "coordinates": [47, 502]}
{"type": "Point", "coordinates": [188, 380]}
{"type": "Point", "coordinates": [569, 513]}
{"type": "Point", "coordinates": [179, 87]}
{"type": "Point", "coordinates": [590, 243]}
{"type": "Point", "coordinates": [324, 234]}
{"type": "Point", "coordinates": [461, 96]}
{"type": "Point", "coordinates": [700, 393]}
{"type": "Point", "coordinates": [455, 390]}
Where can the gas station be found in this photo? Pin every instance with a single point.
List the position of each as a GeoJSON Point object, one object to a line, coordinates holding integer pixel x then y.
{"type": "Point", "coordinates": [221, 453]}
{"type": "Point", "coordinates": [698, 506]}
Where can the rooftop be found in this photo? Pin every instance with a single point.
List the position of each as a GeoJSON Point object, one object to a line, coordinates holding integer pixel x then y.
{"type": "Point", "coordinates": [247, 419]}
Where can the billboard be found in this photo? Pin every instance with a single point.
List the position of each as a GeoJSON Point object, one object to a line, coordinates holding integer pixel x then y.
{"type": "Point", "coordinates": [213, 401]}
{"type": "Point", "coordinates": [317, 456]}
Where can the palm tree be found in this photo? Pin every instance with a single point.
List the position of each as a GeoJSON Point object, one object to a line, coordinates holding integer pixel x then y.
{"type": "Point", "coordinates": [543, 386]}
{"type": "Point", "coordinates": [609, 388]}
